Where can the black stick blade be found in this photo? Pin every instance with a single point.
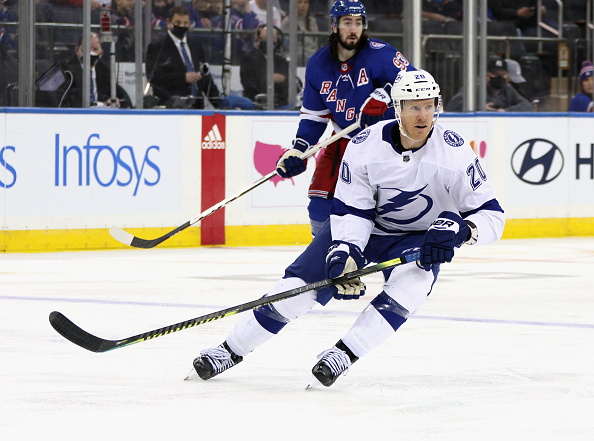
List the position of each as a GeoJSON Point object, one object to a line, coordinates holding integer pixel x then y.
{"type": "Point", "coordinates": [129, 239]}
{"type": "Point", "coordinates": [77, 335]}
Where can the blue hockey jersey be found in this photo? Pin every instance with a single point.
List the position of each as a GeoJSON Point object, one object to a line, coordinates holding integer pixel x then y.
{"type": "Point", "coordinates": [335, 91]}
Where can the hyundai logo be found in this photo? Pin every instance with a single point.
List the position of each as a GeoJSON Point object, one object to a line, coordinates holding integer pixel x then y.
{"type": "Point", "coordinates": [537, 161]}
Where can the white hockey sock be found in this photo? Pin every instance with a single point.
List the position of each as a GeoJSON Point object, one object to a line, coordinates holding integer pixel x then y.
{"type": "Point", "coordinates": [247, 335]}
{"type": "Point", "coordinates": [369, 330]}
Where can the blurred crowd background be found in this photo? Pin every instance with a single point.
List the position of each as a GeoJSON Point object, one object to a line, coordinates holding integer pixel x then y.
{"type": "Point", "coordinates": [547, 47]}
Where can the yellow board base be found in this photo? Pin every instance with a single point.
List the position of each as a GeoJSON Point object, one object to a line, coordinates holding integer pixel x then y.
{"type": "Point", "coordinates": [541, 228]}
{"type": "Point", "coordinates": [29, 241]}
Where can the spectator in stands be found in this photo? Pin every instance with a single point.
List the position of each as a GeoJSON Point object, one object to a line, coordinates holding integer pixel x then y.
{"type": "Point", "coordinates": [575, 11]}
{"type": "Point", "coordinates": [441, 11]}
{"type": "Point", "coordinates": [521, 12]}
{"type": "Point", "coordinates": [206, 11]}
{"type": "Point", "coordinates": [307, 45]}
{"type": "Point", "coordinates": [501, 96]}
{"type": "Point", "coordinates": [582, 102]}
{"type": "Point", "coordinates": [7, 38]}
{"type": "Point", "coordinates": [253, 70]}
{"type": "Point", "coordinates": [160, 13]}
{"type": "Point", "coordinates": [518, 82]}
{"type": "Point", "coordinates": [259, 8]}
{"type": "Point", "coordinates": [176, 65]}
{"type": "Point", "coordinates": [388, 8]}
{"type": "Point", "coordinates": [100, 79]}
{"type": "Point", "coordinates": [8, 64]}
{"type": "Point", "coordinates": [524, 15]}
{"type": "Point", "coordinates": [95, 4]}
{"type": "Point", "coordinates": [196, 20]}
{"type": "Point", "coordinates": [122, 14]}
{"type": "Point", "coordinates": [242, 18]}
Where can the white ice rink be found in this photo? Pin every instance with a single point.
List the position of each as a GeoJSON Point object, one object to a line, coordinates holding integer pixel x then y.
{"type": "Point", "coordinates": [502, 350]}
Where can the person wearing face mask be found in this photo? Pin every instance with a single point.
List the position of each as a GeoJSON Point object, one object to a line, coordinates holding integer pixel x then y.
{"type": "Point", "coordinates": [160, 13]}
{"type": "Point", "coordinates": [253, 70]}
{"type": "Point", "coordinates": [176, 65]}
{"type": "Point", "coordinates": [100, 88]}
{"type": "Point", "coordinates": [501, 96]}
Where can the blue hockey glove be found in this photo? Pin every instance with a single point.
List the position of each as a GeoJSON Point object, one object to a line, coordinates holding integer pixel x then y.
{"type": "Point", "coordinates": [374, 108]}
{"type": "Point", "coordinates": [344, 258]}
{"type": "Point", "coordinates": [290, 163]}
{"type": "Point", "coordinates": [447, 232]}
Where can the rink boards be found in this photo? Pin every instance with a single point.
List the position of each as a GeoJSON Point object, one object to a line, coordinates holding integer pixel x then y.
{"type": "Point", "coordinates": [67, 176]}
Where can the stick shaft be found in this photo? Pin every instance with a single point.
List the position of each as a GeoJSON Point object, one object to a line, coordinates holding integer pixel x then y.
{"type": "Point", "coordinates": [137, 242]}
{"type": "Point", "coordinates": [88, 341]}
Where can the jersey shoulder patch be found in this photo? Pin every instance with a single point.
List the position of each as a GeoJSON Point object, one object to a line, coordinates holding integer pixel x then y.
{"type": "Point", "coordinates": [376, 44]}
{"type": "Point", "coordinates": [361, 136]}
{"type": "Point", "coordinates": [452, 138]}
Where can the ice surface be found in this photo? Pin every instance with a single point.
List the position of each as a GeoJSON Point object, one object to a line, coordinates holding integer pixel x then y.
{"type": "Point", "coordinates": [503, 349]}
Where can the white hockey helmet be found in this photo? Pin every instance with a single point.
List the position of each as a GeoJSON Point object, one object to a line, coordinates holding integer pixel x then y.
{"type": "Point", "coordinates": [415, 85]}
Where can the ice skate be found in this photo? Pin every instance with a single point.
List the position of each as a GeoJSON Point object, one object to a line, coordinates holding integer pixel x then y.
{"type": "Point", "coordinates": [213, 361]}
{"type": "Point", "coordinates": [332, 363]}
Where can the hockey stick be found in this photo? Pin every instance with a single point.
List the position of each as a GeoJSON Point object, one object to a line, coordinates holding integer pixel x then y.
{"type": "Point", "coordinates": [128, 239]}
{"type": "Point", "coordinates": [85, 340]}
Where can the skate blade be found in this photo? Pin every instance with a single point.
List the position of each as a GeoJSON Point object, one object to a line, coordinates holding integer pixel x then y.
{"type": "Point", "coordinates": [314, 383]}
{"type": "Point", "coordinates": [192, 375]}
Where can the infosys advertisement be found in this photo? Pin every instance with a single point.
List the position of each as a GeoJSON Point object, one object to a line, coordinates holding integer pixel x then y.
{"type": "Point", "coordinates": [143, 170]}
{"type": "Point", "coordinates": [77, 165]}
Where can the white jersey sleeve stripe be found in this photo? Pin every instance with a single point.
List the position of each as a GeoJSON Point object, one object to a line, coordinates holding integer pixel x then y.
{"type": "Point", "coordinates": [322, 112]}
{"type": "Point", "coordinates": [320, 119]}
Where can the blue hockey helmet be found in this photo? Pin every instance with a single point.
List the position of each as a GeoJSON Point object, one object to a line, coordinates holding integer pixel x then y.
{"type": "Point", "coordinates": [348, 7]}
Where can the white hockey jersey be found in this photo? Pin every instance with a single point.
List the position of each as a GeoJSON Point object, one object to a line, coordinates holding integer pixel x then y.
{"type": "Point", "coordinates": [384, 190]}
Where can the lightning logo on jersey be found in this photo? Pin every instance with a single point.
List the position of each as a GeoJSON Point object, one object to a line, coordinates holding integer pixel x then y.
{"type": "Point", "coordinates": [385, 195]}
{"type": "Point", "coordinates": [404, 199]}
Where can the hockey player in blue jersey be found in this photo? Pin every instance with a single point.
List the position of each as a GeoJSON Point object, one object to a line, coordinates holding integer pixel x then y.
{"type": "Point", "coordinates": [348, 79]}
{"type": "Point", "coordinates": [405, 185]}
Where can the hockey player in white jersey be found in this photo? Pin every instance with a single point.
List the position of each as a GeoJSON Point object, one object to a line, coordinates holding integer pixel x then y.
{"type": "Point", "coordinates": [406, 184]}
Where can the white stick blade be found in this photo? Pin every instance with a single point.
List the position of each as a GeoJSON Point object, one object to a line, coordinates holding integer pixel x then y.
{"type": "Point", "coordinates": [121, 236]}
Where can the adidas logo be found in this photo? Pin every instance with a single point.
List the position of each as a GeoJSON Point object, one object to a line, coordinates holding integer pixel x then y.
{"type": "Point", "coordinates": [214, 139]}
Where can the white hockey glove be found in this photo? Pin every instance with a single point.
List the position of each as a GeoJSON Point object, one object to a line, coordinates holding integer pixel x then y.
{"type": "Point", "coordinates": [447, 232]}
{"type": "Point", "coordinates": [374, 108]}
{"type": "Point", "coordinates": [344, 258]}
{"type": "Point", "coordinates": [290, 163]}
